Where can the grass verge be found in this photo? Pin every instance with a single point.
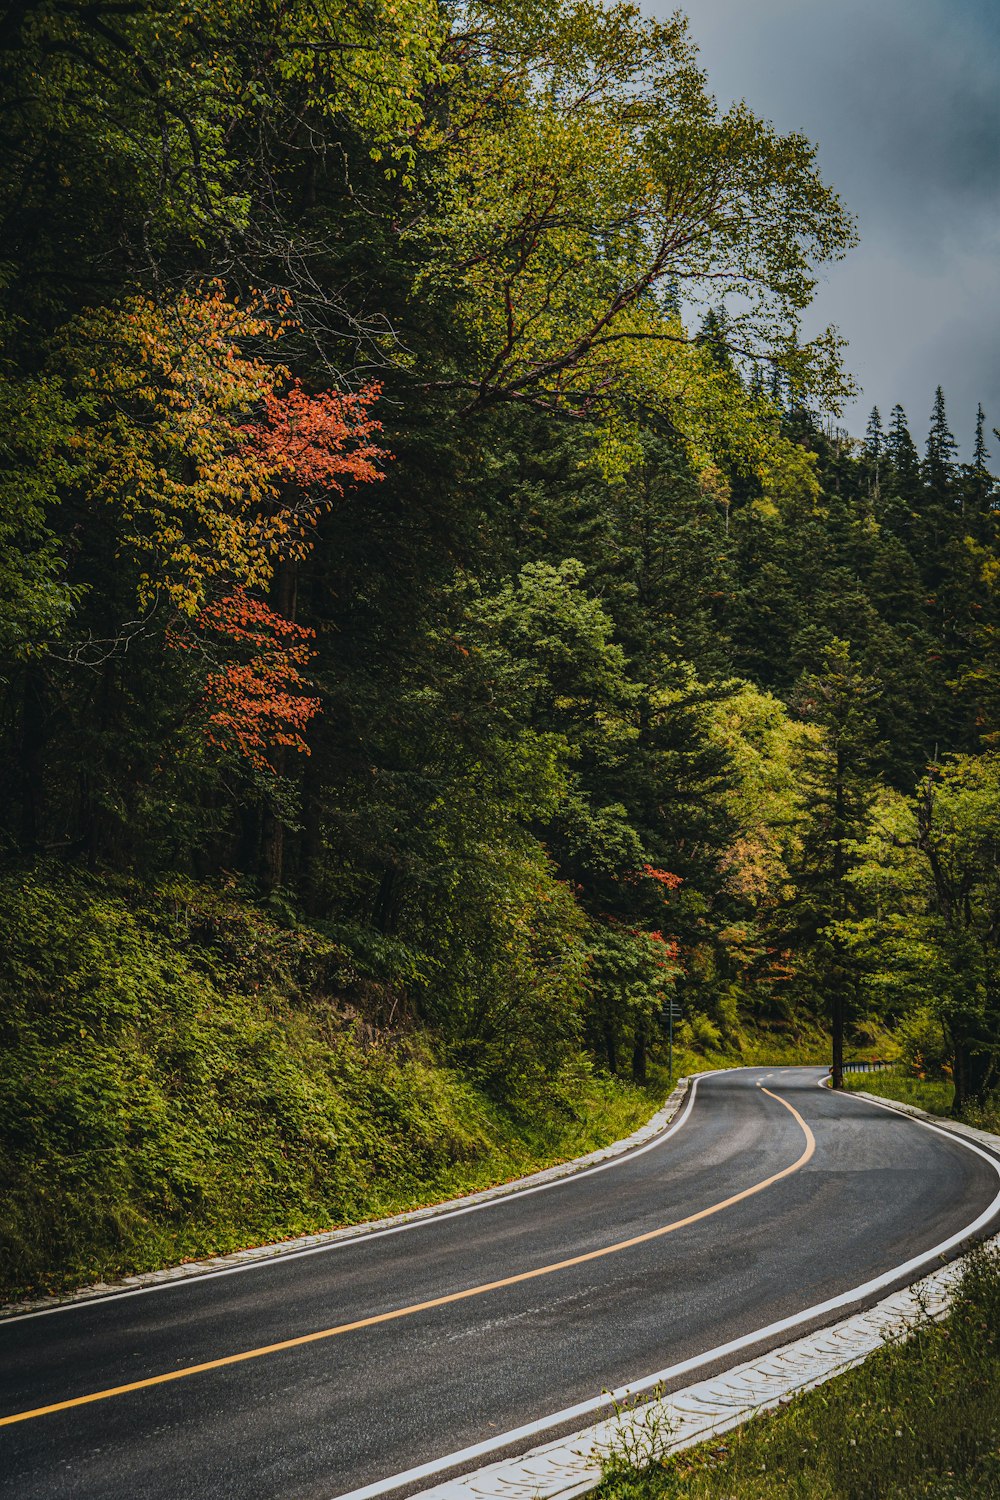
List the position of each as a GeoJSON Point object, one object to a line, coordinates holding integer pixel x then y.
{"type": "Point", "coordinates": [180, 1076]}
{"type": "Point", "coordinates": [933, 1095]}
{"type": "Point", "coordinates": [919, 1420]}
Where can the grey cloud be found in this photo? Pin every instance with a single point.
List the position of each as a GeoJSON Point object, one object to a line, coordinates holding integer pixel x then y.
{"type": "Point", "coordinates": [902, 99]}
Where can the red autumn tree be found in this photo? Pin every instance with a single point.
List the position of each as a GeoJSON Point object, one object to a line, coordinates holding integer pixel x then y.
{"type": "Point", "coordinates": [310, 446]}
{"type": "Point", "coordinates": [256, 698]}
{"type": "Point", "coordinates": [317, 441]}
{"type": "Point", "coordinates": [218, 464]}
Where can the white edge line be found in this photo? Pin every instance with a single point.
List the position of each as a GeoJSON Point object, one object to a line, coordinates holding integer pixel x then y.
{"type": "Point", "coordinates": [722, 1351]}
{"type": "Point", "coordinates": [363, 1237]}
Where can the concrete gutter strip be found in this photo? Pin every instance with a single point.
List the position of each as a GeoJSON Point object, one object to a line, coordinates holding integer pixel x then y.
{"type": "Point", "coordinates": [574, 1465]}
{"type": "Point", "coordinates": [308, 1242]}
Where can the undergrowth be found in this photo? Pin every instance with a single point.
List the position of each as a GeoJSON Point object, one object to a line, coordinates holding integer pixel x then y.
{"type": "Point", "coordinates": [179, 1075]}
{"type": "Point", "coordinates": [919, 1420]}
{"type": "Point", "coordinates": [182, 1075]}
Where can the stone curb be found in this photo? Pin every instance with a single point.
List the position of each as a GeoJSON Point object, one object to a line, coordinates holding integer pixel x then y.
{"type": "Point", "coordinates": [574, 1465]}
{"type": "Point", "coordinates": [267, 1253]}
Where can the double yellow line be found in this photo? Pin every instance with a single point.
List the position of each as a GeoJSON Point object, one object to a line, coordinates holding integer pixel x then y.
{"type": "Point", "coordinates": [418, 1307]}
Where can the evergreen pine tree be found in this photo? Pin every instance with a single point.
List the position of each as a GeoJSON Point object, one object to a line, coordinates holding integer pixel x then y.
{"type": "Point", "coordinates": [980, 452]}
{"type": "Point", "coordinates": [941, 451]}
{"type": "Point", "coordinates": [713, 336]}
{"type": "Point", "coordinates": [875, 435]}
{"type": "Point", "coordinates": [977, 482]}
{"type": "Point", "coordinates": [901, 452]}
{"type": "Point", "coordinates": [837, 784]}
{"type": "Point", "coordinates": [874, 451]}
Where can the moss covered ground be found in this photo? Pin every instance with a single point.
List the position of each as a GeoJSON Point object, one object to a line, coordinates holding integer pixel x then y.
{"type": "Point", "coordinates": [181, 1075]}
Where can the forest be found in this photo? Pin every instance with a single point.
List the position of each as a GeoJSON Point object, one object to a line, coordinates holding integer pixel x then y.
{"type": "Point", "coordinates": [442, 624]}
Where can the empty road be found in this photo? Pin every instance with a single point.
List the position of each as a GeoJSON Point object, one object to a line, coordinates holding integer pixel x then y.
{"type": "Point", "coordinates": [358, 1369]}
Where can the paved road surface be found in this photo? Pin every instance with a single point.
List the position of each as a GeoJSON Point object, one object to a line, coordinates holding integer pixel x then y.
{"type": "Point", "coordinates": [672, 1251]}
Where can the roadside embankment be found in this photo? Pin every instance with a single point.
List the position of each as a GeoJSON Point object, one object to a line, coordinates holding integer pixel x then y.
{"type": "Point", "coordinates": [182, 1075]}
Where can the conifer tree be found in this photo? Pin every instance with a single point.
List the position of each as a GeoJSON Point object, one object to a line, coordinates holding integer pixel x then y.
{"type": "Point", "coordinates": [901, 453]}
{"type": "Point", "coordinates": [874, 451]}
{"type": "Point", "coordinates": [837, 782]}
{"type": "Point", "coordinates": [875, 435]}
{"type": "Point", "coordinates": [978, 482]}
{"type": "Point", "coordinates": [941, 450]}
{"type": "Point", "coordinates": [980, 452]}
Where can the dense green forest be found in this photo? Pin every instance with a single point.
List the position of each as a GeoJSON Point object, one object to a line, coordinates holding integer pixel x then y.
{"type": "Point", "coordinates": [434, 589]}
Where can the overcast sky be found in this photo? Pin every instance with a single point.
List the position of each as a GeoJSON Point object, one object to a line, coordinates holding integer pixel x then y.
{"type": "Point", "coordinates": [902, 98]}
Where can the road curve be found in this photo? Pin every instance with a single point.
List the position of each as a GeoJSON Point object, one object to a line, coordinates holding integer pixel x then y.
{"type": "Point", "coordinates": [331, 1374]}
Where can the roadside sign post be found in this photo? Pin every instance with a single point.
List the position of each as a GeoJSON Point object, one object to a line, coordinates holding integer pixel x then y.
{"type": "Point", "coordinates": [671, 1012]}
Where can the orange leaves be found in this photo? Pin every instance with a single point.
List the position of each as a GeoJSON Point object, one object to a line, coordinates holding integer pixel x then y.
{"type": "Point", "coordinates": [666, 951]}
{"type": "Point", "coordinates": [663, 878]}
{"type": "Point", "coordinates": [255, 701]}
{"type": "Point", "coordinates": [217, 461]}
{"type": "Point", "coordinates": [319, 440]}
{"type": "Point", "coordinates": [668, 948]}
{"type": "Point", "coordinates": [249, 621]}
{"type": "Point", "coordinates": [219, 465]}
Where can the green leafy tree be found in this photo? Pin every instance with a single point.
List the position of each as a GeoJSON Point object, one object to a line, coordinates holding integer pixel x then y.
{"type": "Point", "coordinates": [601, 181]}
{"type": "Point", "coordinates": [928, 866]}
{"type": "Point", "coordinates": [958, 836]}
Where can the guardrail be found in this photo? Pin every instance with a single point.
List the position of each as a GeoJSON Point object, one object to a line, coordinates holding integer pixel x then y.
{"type": "Point", "coordinates": [876, 1065]}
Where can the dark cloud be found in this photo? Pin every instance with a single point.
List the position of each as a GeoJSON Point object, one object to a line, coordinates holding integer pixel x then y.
{"type": "Point", "coordinates": [902, 99]}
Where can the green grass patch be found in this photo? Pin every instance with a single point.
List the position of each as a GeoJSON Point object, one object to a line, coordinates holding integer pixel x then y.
{"type": "Point", "coordinates": [703, 1047]}
{"type": "Point", "coordinates": [919, 1420]}
{"type": "Point", "coordinates": [933, 1095]}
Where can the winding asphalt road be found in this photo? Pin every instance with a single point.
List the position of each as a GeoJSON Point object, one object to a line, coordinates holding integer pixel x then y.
{"type": "Point", "coordinates": [397, 1350]}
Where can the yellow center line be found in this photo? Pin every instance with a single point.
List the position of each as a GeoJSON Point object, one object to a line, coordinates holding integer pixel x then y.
{"type": "Point", "coordinates": [417, 1307]}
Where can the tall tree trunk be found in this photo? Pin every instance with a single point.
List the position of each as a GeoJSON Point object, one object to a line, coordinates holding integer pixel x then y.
{"type": "Point", "coordinates": [975, 1067]}
{"type": "Point", "coordinates": [272, 843]}
{"type": "Point", "coordinates": [272, 867]}
{"type": "Point", "coordinates": [639, 1054]}
{"type": "Point", "coordinates": [837, 1021]}
{"type": "Point", "coordinates": [248, 839]}
{"type": "Point", "coordinates": [840, 896]}
{"type": "Point", "coordinates": [312, 839]}
{"type": "Point", "coordinates": [32, 757]}
{"type": "Point", "coordinates": [386, 905]}
{"type": "Point", "coordinates": [610, 1045]}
